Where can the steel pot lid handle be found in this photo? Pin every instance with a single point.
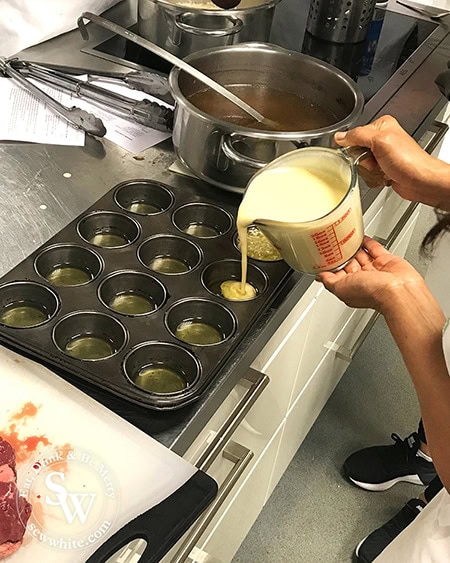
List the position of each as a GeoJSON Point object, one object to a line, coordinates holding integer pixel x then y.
{"type": "Point", "coordinates": [181, 21]}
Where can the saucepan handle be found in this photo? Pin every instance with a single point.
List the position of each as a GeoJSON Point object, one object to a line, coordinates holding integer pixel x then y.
{"type": "Point", "coordinates": [227, 147]}
{"type": "Point", "coordinates": [164, 524]}
{"type": "Point", "coordinates": [184, 22]}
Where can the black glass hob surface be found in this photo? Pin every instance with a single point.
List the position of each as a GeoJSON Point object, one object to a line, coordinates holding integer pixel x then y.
{"type": "Point", "coordinates": [392, 38]}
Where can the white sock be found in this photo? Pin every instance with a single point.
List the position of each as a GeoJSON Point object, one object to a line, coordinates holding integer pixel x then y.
{"type": "Point", "coordinates": [425, 456]}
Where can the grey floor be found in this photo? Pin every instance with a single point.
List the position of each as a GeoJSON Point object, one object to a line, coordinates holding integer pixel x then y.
{"type": "Point", "coordinates": [314, 515]}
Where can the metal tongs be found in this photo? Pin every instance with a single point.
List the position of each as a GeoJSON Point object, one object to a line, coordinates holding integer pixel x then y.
{"type": "Point", "coordinates": [145, 112]}
{"type": "Point", "coordinates": [77, 117]}
{"type": "Point", "coordinates": [149, 82]}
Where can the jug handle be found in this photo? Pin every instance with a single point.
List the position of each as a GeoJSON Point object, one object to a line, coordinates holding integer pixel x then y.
{"type": "Point", "coordinates": [374, 178]}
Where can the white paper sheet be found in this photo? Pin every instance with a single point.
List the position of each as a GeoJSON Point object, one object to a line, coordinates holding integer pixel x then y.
{"type": "Point", "coordinates": [28, 119]}
{"type": "Point", "coordinates": [25, 118]}
{"type": "Point", "coordinates": [124, 132]}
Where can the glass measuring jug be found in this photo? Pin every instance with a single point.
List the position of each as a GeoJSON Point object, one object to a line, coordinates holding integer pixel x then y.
{"type": "Point", "coordinates": [307, 202]}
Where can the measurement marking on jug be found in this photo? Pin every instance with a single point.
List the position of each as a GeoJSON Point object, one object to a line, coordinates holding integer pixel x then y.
{"type": "Point", "coordinates": [348, 237]}
{"type": "Point", "coordinates": [327, 243]}
{"type": "Point", "coordinates": [346, 214]}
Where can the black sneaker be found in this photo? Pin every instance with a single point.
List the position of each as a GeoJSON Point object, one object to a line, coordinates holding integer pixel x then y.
{"type": "Point", "coordinates": [371, 546]}
{"type": "Point", "coordinates": [379, 467]}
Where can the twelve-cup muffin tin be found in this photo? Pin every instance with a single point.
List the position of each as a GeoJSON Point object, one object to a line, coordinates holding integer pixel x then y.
{"type": "Point", "coordinates": [104, 299]}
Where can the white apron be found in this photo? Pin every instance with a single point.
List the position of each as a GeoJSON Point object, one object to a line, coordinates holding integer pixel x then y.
{"type": "Point", "coordinates": [427, 538]}
{"type": "Point", "coordinates": [27, 22]}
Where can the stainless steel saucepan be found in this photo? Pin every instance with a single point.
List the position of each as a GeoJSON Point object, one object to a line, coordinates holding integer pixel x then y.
{"type": "Point", "coordinates": [214, 141]}
{"type": "Point", "coordinates": [308, 100]}
{"type": "Point", "coordinates": [186, 26]}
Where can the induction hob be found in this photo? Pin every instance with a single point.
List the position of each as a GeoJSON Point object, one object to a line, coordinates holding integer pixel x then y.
{"type": "Point", "coordinates": [392, 39]}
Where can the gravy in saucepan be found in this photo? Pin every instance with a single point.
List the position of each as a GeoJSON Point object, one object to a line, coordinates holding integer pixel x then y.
{"type": "Point", "coordinates": [290, 111]}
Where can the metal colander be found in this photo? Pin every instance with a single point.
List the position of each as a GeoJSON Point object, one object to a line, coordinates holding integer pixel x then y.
{"type": "Point", "coordinates": [340, 21]}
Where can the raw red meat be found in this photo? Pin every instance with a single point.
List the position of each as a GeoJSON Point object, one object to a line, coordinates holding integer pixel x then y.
{"type": "Point", "coordinates": [14, 509]}
{"type": "Point", "coordinates": [7, 454]}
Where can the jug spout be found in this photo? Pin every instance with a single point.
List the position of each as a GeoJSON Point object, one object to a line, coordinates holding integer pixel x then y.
{"type": "Point", "coordinates": [260, 222]}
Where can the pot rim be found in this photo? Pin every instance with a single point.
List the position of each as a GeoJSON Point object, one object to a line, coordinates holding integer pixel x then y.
{"type": "Point", "coordinates": [218, 11]}
{"type": "Point", "coordinates": [181, 100]}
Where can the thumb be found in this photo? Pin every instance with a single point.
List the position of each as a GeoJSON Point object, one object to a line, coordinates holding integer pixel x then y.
{"type": "Point", "coordinates": [340, 137]}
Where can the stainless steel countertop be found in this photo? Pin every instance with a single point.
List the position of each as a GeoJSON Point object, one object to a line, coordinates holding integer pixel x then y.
{"type": "Point", "coordinates": [38, 200]}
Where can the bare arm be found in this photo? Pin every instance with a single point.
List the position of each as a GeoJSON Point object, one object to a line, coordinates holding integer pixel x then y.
{"type": "Point", "coordinates": [414, 174]}
{"type": "Point", "coordinates": [387, 283]}
{"type": "Point", "coordinates": [382, 281]}
{"type": "Point", "coordinates": [416, 321]}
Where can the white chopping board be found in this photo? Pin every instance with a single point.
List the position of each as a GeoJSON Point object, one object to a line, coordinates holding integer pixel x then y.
{"type": "Point", "coordinates": [85, 471]}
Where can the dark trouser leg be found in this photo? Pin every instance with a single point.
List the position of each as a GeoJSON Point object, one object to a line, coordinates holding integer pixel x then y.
{"type": "Point", "coordinates": [435, 485]}
{"type": "Point", "coordinates": [421, 432]}
{"type": "Point", "coordinates": [433, 488]}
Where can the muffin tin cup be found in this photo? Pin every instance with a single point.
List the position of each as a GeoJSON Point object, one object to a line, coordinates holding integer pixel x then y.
{"type": "Point", "coordinates": [163, 253]}
{"type": "Point", "coordinates": [89, 340]}
{"type": "Point", "coordinates": [249, 254]}
{"type": "Point", "coordinates": [132, 293]}
{"type": "Point", "coordinates": [27, 305]}
{"type": "Point", "coordinates": [143, 197]}
{"type": "Point", "coordinates": [120, 229]}
{"type": "Point", "coordinates": [161, 356]}
{"type": "Point", "coordinates": [51, 263]}
{"type": "Point", "coordinates": [209, 316]}
{"type": "Point", "coordinates": [218, 272]}
{"type": "Point", "coordinates": [89, 328]}
{"type": "Point", "coordinates": [202, 220]}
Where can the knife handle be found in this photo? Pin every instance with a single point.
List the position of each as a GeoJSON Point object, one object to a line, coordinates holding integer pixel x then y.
{"type": "Point", "coordinates": [164, 524]}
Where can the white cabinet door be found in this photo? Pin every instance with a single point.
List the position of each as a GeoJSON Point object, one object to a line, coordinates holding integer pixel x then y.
{"type": "Point", "coordinates": [235, 456]}
{"type": "Point", "coordinates": [263, 360]}
{"type": "Point", "coordinates": [390, 209]}
{"type": "Point", "coordinates": [232, 524]}
{"type": "Point", "coordinates": [283, 366]}
{"type": "Point", "coordinates": [438, 274]}
{"type": "Point", "coordinates": [282, 355]}
{"type": "Point", "coordinates": [329, 316]}
{"type": "Point", "coordinates": [305, 410]}
{"type": "Point", "coordinates": [401, 243]}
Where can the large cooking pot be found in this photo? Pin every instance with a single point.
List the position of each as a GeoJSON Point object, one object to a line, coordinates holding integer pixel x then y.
{"type": "Point", "coordinates": [186, 26]}
{"type": "Point", "coordinates": [227, 154]}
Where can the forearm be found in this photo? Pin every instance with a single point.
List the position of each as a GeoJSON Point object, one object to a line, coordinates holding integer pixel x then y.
{"type": "Point", "coordinates": [414, 174]}
{"type": "Point", "coordinates": [435, 179]}
{"type": "Point", "coordinates": [416, 321]}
